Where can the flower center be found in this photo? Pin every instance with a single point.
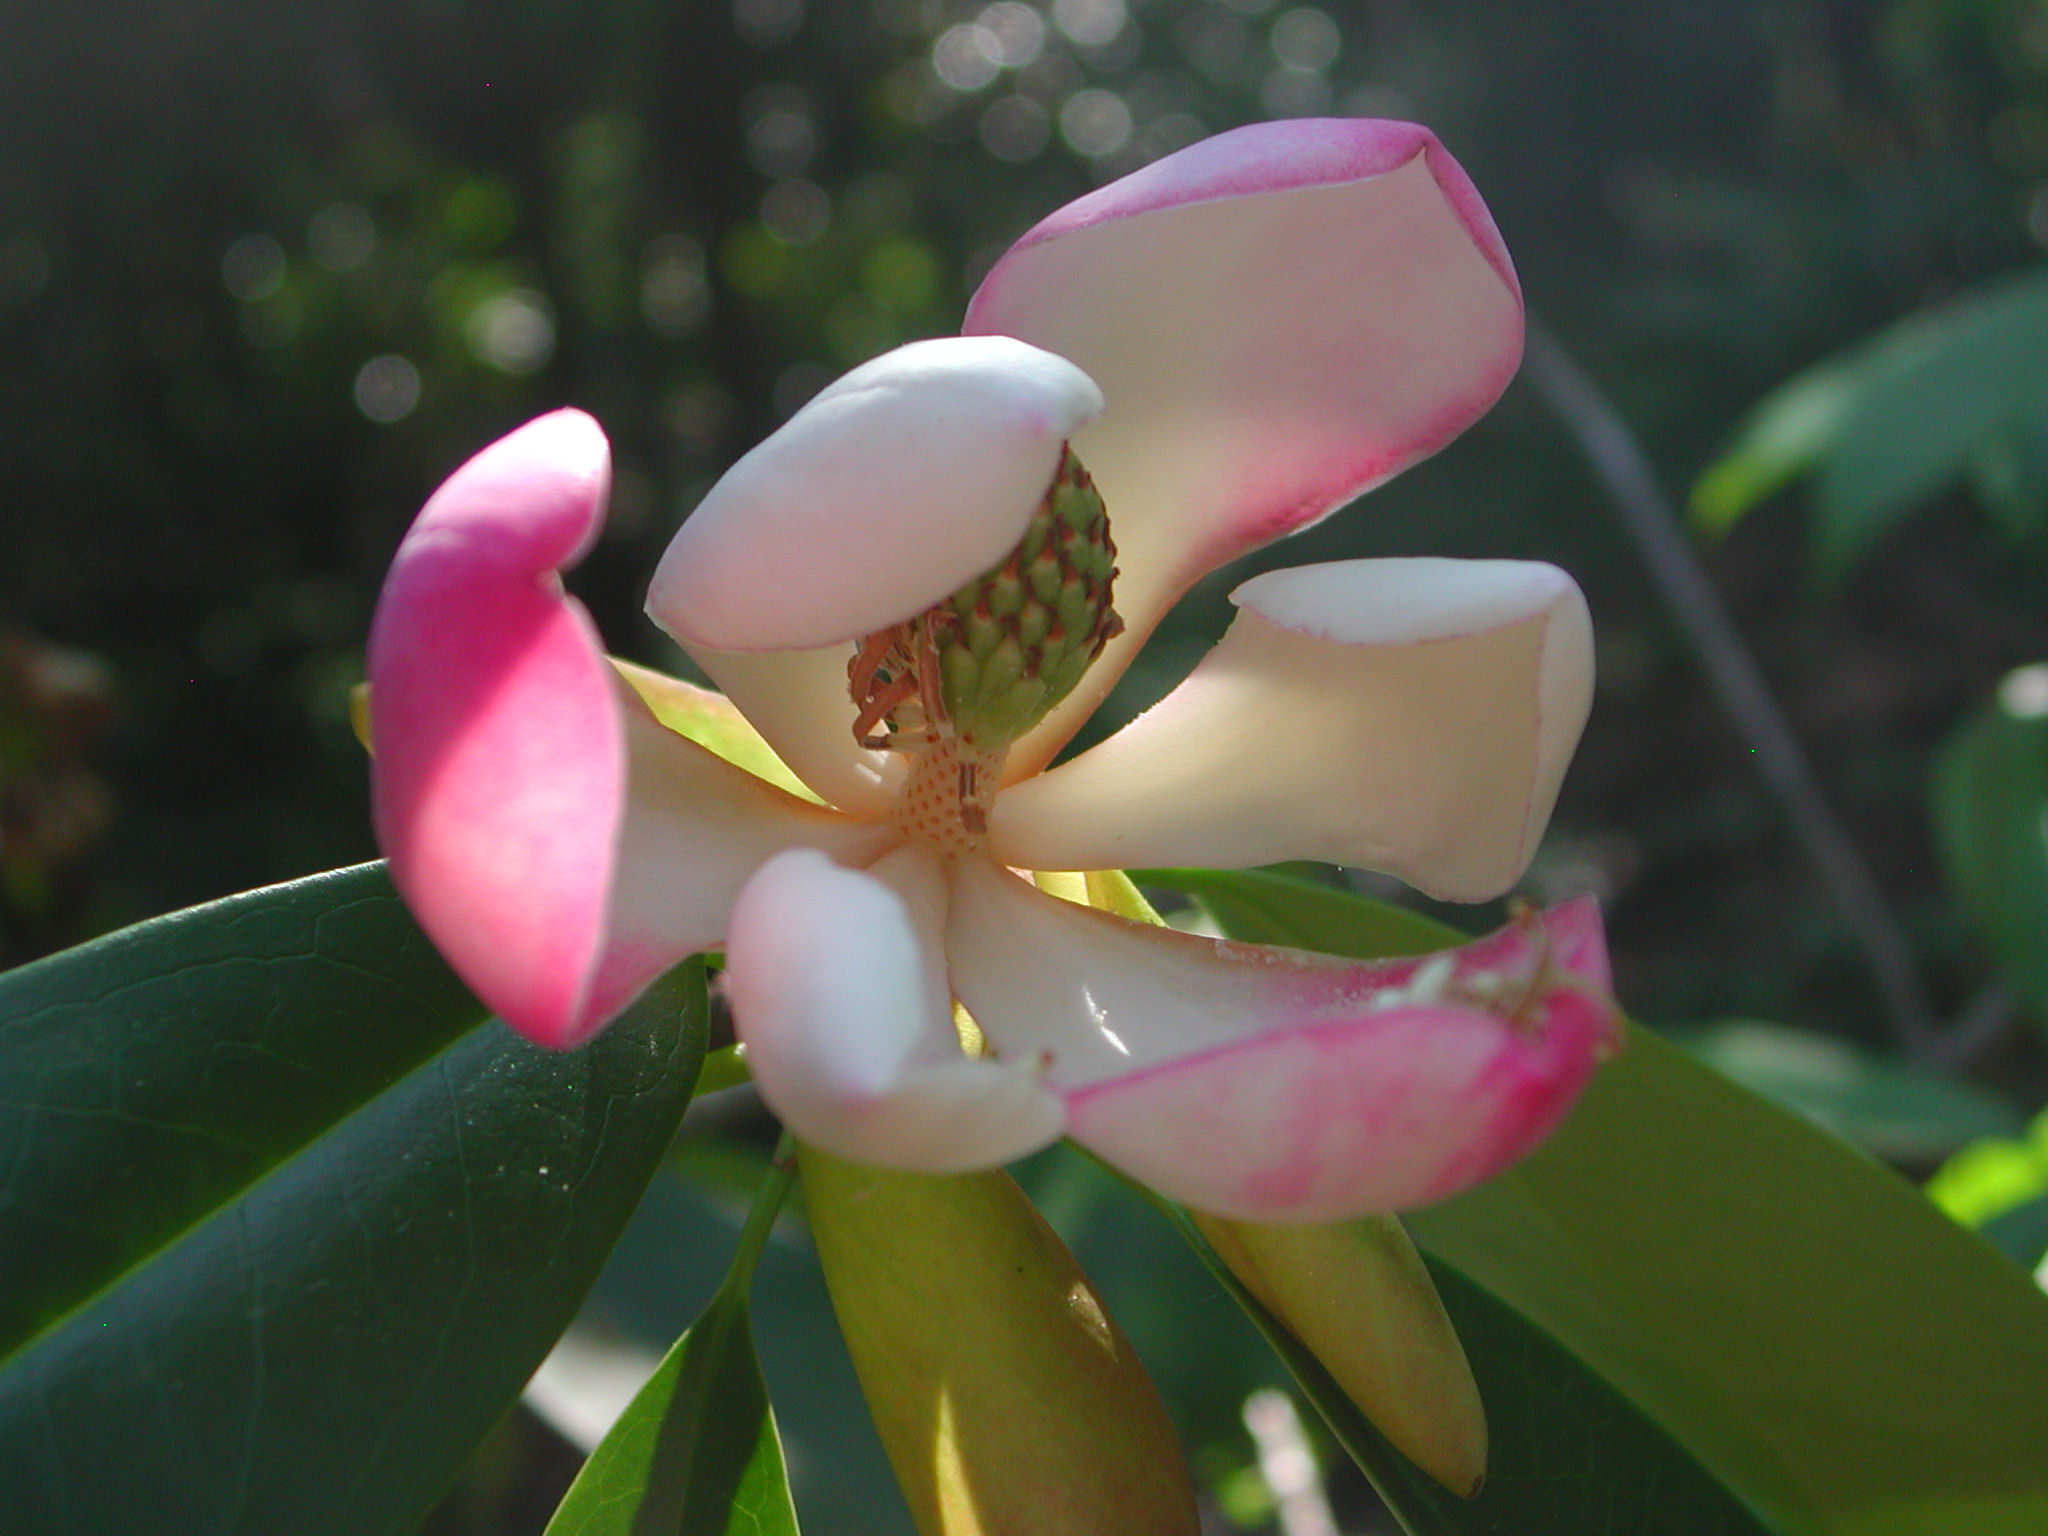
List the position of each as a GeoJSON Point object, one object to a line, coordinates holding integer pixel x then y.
{"type": "Point", "coordinates": [955, 686]}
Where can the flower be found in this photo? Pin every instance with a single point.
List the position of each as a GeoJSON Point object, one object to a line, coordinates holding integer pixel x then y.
{"type": "Point", "coordinates": [894, 588]}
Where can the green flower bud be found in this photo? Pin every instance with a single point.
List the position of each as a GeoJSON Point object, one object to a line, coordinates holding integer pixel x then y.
{"type": "Point", "coordinates": [1009, 1403]}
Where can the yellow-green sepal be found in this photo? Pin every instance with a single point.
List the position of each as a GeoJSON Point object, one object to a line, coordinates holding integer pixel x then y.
{"type": "Point", "coordinates": [1008, 1401]}
{"type": "Point", "coordinates": [1359, 1298]}
{"type": "Point", "coordinates": [714, 722]}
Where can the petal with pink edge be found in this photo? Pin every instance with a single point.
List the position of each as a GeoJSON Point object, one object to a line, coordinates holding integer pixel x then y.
{"type": "Point", "coordinates": [559, 847]}
{"type": "Point", "coordinates": [499, 781]}
{"type": "Point", "coordinates": [1279, 317]}
{"type": "Point", "coordinates": [903, 479]}
{"type": "Point", "coordinates": [839, 993]}
{"type": "Point", "coordinates": [1274, 1085]}
{"type": "Point", "coordinates": [1412, 716]}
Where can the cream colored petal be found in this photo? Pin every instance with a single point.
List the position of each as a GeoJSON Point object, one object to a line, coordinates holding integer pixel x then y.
{"type": "Point", "coordinates": [839, 992]}
{"type": "Point", "coordinates": [1412, 716]}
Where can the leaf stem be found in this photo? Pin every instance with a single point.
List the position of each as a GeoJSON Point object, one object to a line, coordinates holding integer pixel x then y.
{"type": "Point", "coordinates": [761, 1219]}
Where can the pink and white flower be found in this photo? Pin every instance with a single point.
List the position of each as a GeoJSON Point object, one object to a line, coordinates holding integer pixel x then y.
{"type": "Point", "coordinates": [1234, 341]}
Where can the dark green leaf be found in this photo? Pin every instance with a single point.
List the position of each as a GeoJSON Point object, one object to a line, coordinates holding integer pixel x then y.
{"type": "Point", "coordinates": [1570, 1455]}
{"type": "Point", "coordinates": [696, 1453]}
{"type": "Point", "coordinates": [309, 1262]}
{"type": "Point", "coordinates": [1893, 1109]}
{"type": "Point", "coordinates": [1827, 1344]}
{"type": "Point", "coordinates": [1989, 795]}
{"type": "Point", "coordinates": [149, 1077]}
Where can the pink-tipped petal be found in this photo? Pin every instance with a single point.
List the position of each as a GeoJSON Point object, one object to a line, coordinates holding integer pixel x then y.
{"type": "Point", "coordinates": [560, 847]}
{"type": "Point", "coordinates": [1412, 716]}
{"type": "Point", "coordinates": [1273, 1085]}
{"type": "Point", "coordinates": [499, 780]}
{"type": "Point", "coordinates": [1279, 317]}
{"type": "Point", "coordinates": [838, 990]}
{"type": "Point", "coordinates": [897, 483]}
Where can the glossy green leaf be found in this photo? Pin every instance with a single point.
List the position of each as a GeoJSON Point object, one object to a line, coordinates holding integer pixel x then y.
{"type": "Point", "coordinates": [2009, 473]}
{"type": "Point", "coordinates": [1570, 1455]}
{"type": "Point", "coordinates": [696, 1452]}
{"type": "Point", "coordinates": [150, 1076]}
{"type": "Point", "coordinates": [1892, 1109]}
{"type": "Point", "coordinates": [1989, 797]}
{"type": "Point", "coordinates": [1827, 1344]}
{"type": "Point", "coordinates": [284, 1228]}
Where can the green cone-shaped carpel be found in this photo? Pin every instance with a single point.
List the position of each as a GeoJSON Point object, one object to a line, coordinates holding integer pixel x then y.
{"type": "Point", "coordinates": [1009, 1403]}
{"type": "Point", "coordinates": [1014, 641]}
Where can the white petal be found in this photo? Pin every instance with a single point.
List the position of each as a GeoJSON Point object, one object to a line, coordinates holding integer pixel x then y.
{"type": "Point", "coordinates": [839, 992]}
{"type": "Point", "coordinates": [1411, 716]}
{"type": "Point", "coordinates": [905, 478]}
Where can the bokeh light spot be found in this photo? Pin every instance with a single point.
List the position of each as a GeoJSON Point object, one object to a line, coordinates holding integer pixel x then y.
{"type": "Point", "coordinates": [675, 293]}
{"type": "Point", "coordinates": [782, 135]}
{"type": "Point", "coordinates": [796, 211]}
{"type": "Point", "coordinates": [1015, 128]}
{"type": "Point", "coordinates": [1018, 30]}
{"type": "Point", "coordinates": [1306, 38]}
{"type": "Point", "coordinates": [513, 331]}
{"type": "Point", "coordinates": [387, 388]}
{"type": "Point", "coordinates": [253, 268]}
{"type": "Point", "coordinates": [901, 275]}
{"type": "Point", "coordinates": [1091, 23]}
{"type": "Point", "coordinates": [1095, 122]}
{"type": "Point", "coordinates": [341, 237]}
{"type": "Point", "coordinates": [967, 57]}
